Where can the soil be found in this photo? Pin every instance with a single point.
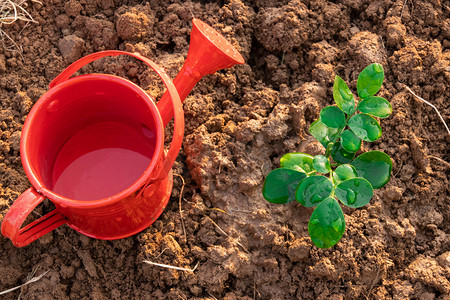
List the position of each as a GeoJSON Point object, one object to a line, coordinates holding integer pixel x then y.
{"type": "Point", "coordinates": [239, 122]}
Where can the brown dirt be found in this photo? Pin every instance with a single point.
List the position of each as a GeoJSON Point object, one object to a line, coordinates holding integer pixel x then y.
{"type": "Point", "coordinates": [239, 122]}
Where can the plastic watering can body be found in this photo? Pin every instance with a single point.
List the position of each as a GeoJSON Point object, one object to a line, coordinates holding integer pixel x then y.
{"type": "Point", "coordinates": [94, 146]}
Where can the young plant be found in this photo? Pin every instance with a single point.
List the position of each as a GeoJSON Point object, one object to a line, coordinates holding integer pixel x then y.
{"type": "Point", "coordinates": [320, 181]}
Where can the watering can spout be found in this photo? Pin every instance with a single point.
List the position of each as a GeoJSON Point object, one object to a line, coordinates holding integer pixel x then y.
{"type": "Point", "coordinates": [208, 52]}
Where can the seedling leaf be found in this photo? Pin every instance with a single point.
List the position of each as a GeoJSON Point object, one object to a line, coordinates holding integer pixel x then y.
{"type": "Point", "coordinates": [365, 127]}
{"type": "Point", "coordinates": [322, 133]}
{"type": "Point", "coordinates": [332, 116]}
{"type": "Point", "coordinates": [375, 106]}
{"type": "Point", "coordinates": [344, 172]}
{"type": "Point", "coordinates": [280, 185]}
{"type": "Point", "coordinates": [343, 96]}
{"type": "Point", "coordinates": [370, 80]}
{"type": "Point", "coordinates": [321, 164]}
{"type": "Point", "coordinates": [375, 167]}
{"type": "Point", "coordinates": [350, 141]}
{"type": "Point", "coordinates": [312, 190]}
{"type": "Point", "coordinates": [327, 224]}
{"type": "Point", "coordinates": [354, 192]}
{"type": "Point", "coordinates": [340, 155]}
{"type": "Point", "coordinates": [354, 179]}
{"type": "Point", "coordinates": [300, 162]}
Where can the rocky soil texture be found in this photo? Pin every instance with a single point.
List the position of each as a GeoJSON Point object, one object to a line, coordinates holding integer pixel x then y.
{"type": "Point", "coordinates": [239, 122]}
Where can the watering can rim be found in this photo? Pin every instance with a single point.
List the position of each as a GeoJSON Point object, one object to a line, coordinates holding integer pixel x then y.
{"type": "Point", "coordinates": [64, 201]}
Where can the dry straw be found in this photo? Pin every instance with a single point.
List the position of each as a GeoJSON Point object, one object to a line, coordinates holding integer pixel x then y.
{"type": "Point", "coordinates": [430, 104]}
{"type": "Point", "coordinates": [171, 267]}
{"type": "Point", "coordinates": [10, 12]}
{"type": "Point", "coordinates": [34, 279]}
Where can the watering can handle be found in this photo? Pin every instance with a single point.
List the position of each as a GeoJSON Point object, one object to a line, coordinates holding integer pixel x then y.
{"type": "Point", "coordinates": [17, 214]}
{"type": "Point", "coordinates": [178, 114]}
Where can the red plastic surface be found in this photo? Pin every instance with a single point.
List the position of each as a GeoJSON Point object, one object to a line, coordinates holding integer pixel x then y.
{"type": "Point", "coordinates": [17, 214]}
{"type": "Point", "coordinates": [77, 131]}
{"type": "Point", "coordinates": [94, 145]}
{"type": "Point", "coordinates": [208, 52]}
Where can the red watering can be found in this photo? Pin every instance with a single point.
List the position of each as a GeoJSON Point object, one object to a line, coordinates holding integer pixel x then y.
{"type": "Point", "coordinates": [94, 146]}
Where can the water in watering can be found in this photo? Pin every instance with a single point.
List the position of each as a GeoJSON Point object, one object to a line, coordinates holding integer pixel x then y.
{"type": "Point", "coordinates": [102, 159]}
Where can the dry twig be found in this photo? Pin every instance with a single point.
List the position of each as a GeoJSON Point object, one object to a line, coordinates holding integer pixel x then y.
{"type": "Point", "coordinates": [226, 234]}
{"type": "Point", "coordinates": [179, 206]}
{"type": "Point", "coordinates": [218, 209]}
{"type": "Point", "coordinates": [382, 43]}
{"type": "Point", "coordinates": [34, 279]}
{"type": "Point", "coordinates": [403, 8]}
{"type": "Point", "coordinates": [377, 277]}
{"type": "Point", "coordinates": [161, 252]}
{"type": "Point", "coordinates": [241, 211]}
{"type": "Point", "coordinates": [171, 267]}
{"type": "Point", "coordinates": [439, 159]}
{"type": "Point", "coordinates": [439, 114]}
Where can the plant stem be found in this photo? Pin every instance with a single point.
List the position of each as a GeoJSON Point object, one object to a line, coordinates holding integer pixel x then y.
{"type": "Point", "coordinates": [338, 136]}
{"type": "Point", "coordinates": [328, 151]}
{"type": "Point", "coordinates": [331, 179]}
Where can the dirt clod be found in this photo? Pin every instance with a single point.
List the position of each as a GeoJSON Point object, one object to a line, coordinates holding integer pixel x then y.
{"type": "Point", "coordinates": [71, 47]}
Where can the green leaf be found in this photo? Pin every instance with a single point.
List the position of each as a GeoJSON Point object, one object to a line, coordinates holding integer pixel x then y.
{"type": "Point", "coordinates": [343, 96]}
{"type": "Point", "coordinates": [375, 106]}
{"type": "Point", "coordinates": [365, 127]}
{"type": "Point", "coordinates": [370, 80]}
{"type": "Point", "coordinates": [350, 141]}
{"type": "Point", "coordinates": [344, 172]}
{"type": "Point", "coordinates": [375, 166]}
{"type": "Point", "coordinates": [280, 185]}
{"type": "Point", "coordinates": [327, 224]}
{"type": "Point", "coordinates": [322, 133]}
{"type": "Point", "coordinates": [301, 162]}
{"type": "Point", "coordinates": [332, 116]}
{"type": "Point", "coordinates": [340, 155]}
{"type": "Point", "coordinates": [354, 192]}
{"type": "Point", "coordinates": [321, 164]}
{"type": "Point", "coordinates": [313, 190]}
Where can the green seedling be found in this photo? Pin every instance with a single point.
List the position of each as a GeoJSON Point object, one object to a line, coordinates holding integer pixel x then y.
{"type": "Point", "coordinates": [322, 181]}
